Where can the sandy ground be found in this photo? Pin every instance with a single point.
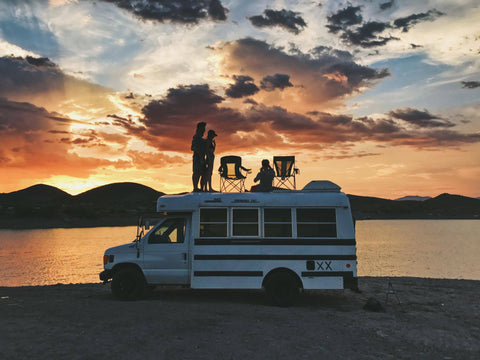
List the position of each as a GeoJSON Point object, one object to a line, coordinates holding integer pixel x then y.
{"type": "Point", "coordinates": [435, 319]}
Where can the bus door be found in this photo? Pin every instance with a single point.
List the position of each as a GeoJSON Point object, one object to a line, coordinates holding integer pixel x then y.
{"type": "Point", "coordinates": [165, 255]}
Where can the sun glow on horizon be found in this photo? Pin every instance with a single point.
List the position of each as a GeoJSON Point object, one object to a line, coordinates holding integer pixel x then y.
{"type": "Point", "coordinates": [94, 93]}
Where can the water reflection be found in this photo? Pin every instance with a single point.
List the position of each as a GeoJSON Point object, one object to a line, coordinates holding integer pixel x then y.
{"type": "Point", "coordinates": [51, 256]}
{"type": "Point", "coordinates": [424, 248]}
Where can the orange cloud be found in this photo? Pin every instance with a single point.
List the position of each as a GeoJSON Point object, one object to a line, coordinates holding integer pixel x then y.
{"type": "Point", "coordinates": [169, 123]}
{"type": "Point", "coordinates": [38, 141]}
{"type": "Point", "coordinates": [321, 78]}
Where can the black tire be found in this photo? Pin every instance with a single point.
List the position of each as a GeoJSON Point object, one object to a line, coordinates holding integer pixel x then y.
{"type": "Point", "coordinates": [282, 288]}
{"type": "Point", "coordinates": [128, 284]}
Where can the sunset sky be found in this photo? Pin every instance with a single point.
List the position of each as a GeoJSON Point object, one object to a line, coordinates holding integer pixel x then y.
{"type": "Point", "coordinates": [379, 96]}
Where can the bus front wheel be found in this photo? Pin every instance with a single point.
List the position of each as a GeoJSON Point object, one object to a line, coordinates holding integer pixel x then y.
{"type": "Point", "coordinates": [128, 284]}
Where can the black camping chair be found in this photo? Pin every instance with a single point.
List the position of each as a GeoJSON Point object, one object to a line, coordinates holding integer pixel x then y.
{"type": "Point", "coordinates": [231, 177]}
{"type": "Point", "coordinates": [285, 172]}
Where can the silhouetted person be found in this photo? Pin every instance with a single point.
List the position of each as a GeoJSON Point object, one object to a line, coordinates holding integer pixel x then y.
{"type": "Point", "coordinates": [210, 159]}
{"type": "Point", "coordinates": [265, 176]}
{"type": "Point", "coordinates": [198, 148]}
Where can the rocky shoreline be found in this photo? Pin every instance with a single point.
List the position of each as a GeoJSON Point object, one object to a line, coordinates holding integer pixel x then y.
{"type": "Point", "coordinates": [423, 319]}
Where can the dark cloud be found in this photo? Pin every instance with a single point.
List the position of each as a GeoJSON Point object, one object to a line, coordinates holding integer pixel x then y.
{"type": "Point", "coordinates": [421, 118]}
{"type": "Point", "coordinates": [178, 11]}
{"type": "Point", "coordinates": [277, 81]}
{"type": "Point", "coordinates": [344, 18]}
{"type": "Point", "coordinates": [58, 132]}
{"type": "Point", "coordinates": [20, 75]}
{"type": "Point", "coordinates": [185, 99]}
{"type": "Point", "coordinates": [40, 61]}
{"type": "Point", "coordinates": [386, 5]}
{"type": "Point", "coordinates": [347, 155]}
{"type": "Point", "coordinates": [320, 51]}
{"type": "Point", "coordinates": [24, 79]}
{"type": "Point", "coordinates": [243, 86]}
{"type": "Point", "coordinates": [279, 119]}
{"type": "Point", "coordinates": [250, 101]}
{"type": "Point", "coordinates": [470, 84]}
{"type": "Point", "coordinates": [286, 19]}
{"type": "Point", "coordinates": [343, 64]}
{"type": "Point", "coordinates": [88, 138]}
{"type": "Point", "coordinates": [367, 35]}
{"type": "Point", "coordinates": [169, 124]}
{"type": "Point", "coordinates": [127, 123]}
{"type": "Point", "coordinates": [19, 117]}
{"type": "Point", "coordinates": [324, 128]}
{"type": "Point", "coordinates": [217, 11]}
{"type": "Point", "coordinates": [82, 142]}
{"type": "Point", "coordinates": [333, 119]}
{"type": "Point", "coordinates": [405, 23]}
{"type": "Point", "coordinates": [348, 23]}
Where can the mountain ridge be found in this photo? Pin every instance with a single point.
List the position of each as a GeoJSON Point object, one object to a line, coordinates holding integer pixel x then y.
{"type": "Point", "coordinates": [45, 206]}
{"type": "Point", "coordinates": [120, 204]}
{"type": "Point", "coordinates": [413, 198]}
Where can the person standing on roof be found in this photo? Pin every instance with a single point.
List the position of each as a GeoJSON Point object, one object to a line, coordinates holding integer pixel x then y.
{"type": "Point", "coordinates": [199, 162]}
{"type": "Point", "coordinates": [210, 159]}
{"type": "Point", "coordinates": [265, 176]}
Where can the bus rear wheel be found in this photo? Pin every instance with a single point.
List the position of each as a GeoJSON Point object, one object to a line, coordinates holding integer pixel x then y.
{"type": "Point", "coordinates": [282, 289]}
{"type": "Point", "coordinates": [128, 284]}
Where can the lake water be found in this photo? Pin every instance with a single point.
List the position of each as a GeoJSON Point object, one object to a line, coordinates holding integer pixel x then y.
{"type": "Point", "coordinates": [423, 248]}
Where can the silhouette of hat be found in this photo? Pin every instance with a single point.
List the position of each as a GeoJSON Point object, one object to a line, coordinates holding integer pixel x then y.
{"type": "Point", "coordinates": [212, 133]}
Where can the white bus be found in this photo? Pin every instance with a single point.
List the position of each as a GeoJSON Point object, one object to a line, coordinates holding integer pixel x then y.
{"type": "Point", "coordinates": [282, 241]}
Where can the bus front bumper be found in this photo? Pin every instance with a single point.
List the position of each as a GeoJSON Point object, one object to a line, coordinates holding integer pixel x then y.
{"type": "Point", "coordinates": [106, 275]}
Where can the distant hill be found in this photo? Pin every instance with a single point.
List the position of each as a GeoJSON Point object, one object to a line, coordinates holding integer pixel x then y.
{"type": "Point", "coordinates": [35, 194]}
{"type": "Point", "coordinates": [413, 198]}
{"type": "Point", "coordinates": [118, 194]}
{"type": "Point", "coordinates": [44, 206]}
{"type": "Point", "coordinates": [444, 206]}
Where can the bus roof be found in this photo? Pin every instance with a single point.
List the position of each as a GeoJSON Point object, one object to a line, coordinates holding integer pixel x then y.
{"type": "Point", "coordinates": [316, 193]}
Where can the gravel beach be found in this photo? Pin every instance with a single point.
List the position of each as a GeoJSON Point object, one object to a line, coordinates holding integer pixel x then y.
{"type": "Point", "coordinates": [423, 319]}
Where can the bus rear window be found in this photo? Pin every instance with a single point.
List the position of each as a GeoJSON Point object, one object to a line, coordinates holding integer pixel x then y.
{"type": "Point", "coordinates": [316, 222]}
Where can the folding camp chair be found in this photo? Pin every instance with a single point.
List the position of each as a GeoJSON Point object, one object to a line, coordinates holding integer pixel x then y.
{"type": "Point", "coordinates": [231, 176]}
{"type": "Point", "coordinates": [285, 172]}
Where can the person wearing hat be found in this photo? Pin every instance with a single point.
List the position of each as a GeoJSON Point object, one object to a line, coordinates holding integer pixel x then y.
{"type": "Point", "coordinates": [210, 158]}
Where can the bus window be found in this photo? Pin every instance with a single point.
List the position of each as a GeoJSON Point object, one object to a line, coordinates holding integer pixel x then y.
{"type": "Point", "coordinates": [170, 231]}
{"type": "Point", "coordinates": [277, 222]}
{"type": "Point", "coordinates": [245, 222]}
{"type": "Point", "coordinates": [316, 222]}
{"type": "Point", "coordinates": [213, 222]}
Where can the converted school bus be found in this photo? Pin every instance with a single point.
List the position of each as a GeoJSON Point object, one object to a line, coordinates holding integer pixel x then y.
{"type": "Point", "coordinates": [282, 241]}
